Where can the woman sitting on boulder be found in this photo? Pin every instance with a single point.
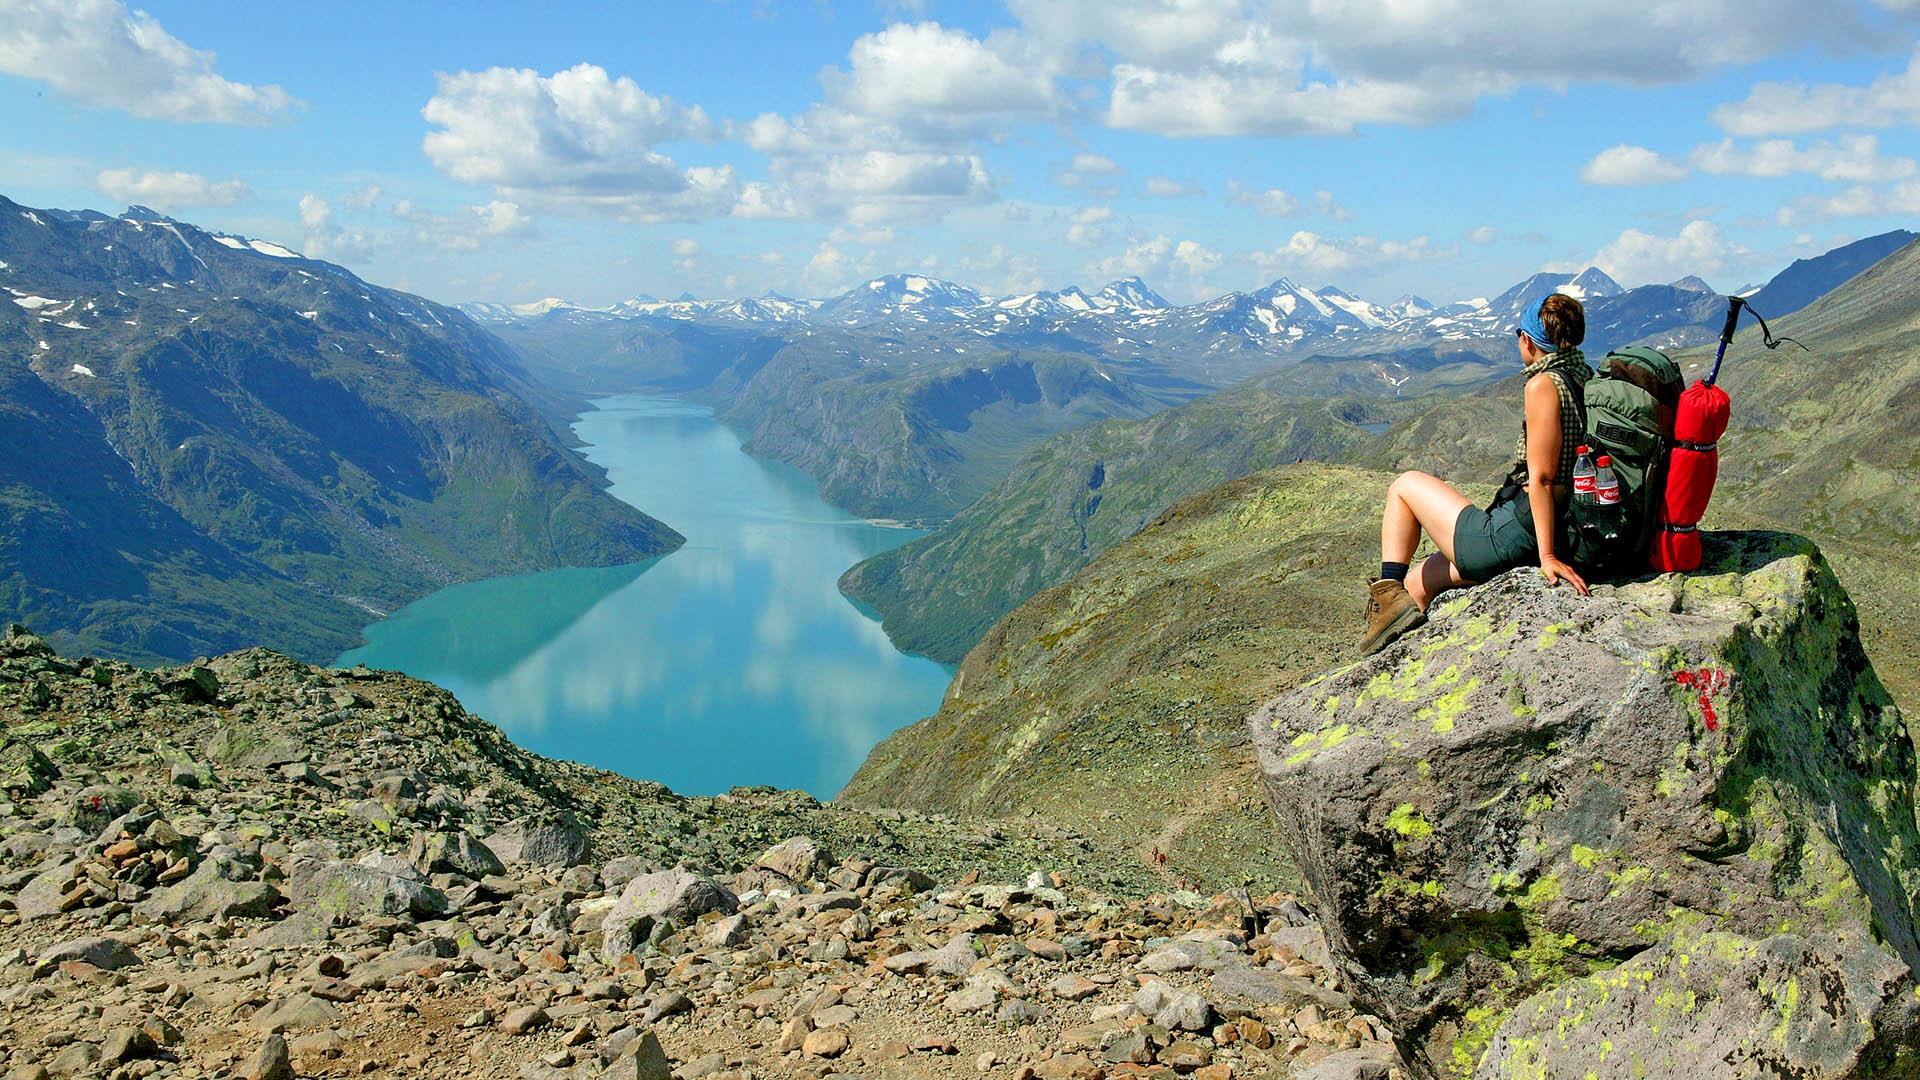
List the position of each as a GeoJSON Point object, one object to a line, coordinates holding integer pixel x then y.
{"type": "Point", "coordinates": [1522, 524]}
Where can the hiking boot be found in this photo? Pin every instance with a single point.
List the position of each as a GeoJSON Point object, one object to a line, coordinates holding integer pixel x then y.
{"type": "Point", "coordinates": [1390, 613]}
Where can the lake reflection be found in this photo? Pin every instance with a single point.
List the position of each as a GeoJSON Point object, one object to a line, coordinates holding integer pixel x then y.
{"type": "Point", "coordinates": [734, 660]}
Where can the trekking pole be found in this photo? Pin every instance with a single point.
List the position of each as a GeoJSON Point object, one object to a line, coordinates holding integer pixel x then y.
{"type": "Point", "coordinates": [1734, 304]}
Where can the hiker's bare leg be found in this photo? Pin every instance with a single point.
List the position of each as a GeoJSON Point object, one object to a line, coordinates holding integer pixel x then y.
{"type": "Point", "coordinates": [1416, 501]}
{"type": "Point", "coordinates": [1433, 577]}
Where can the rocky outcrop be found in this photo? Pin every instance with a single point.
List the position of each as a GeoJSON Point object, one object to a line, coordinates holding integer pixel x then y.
{"type": "Point", "coordinates": [1667, 830]}
{"type": "Point", "coordinates": [371, 882]}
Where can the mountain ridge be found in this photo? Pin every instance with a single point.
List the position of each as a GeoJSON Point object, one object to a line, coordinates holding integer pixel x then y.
{"type": "Point", "coordinates": [335, 448]}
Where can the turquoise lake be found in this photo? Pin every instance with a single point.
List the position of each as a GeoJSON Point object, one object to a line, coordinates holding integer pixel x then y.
{"type": "Point", "coordinates": [734, 660]}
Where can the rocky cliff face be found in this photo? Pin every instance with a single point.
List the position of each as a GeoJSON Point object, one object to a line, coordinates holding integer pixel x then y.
{"type": "Point", "coordinates": [1667, 830]}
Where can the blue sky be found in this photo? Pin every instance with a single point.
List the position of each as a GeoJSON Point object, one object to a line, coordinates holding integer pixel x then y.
{"type": "Point", "coordinates": [600, 151]}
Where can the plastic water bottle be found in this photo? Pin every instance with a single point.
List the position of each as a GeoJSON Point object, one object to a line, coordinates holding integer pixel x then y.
{"type": "Point", "coordinates": [1606, 486]}
{"type": "Point", "coordinates": [1583, 474]}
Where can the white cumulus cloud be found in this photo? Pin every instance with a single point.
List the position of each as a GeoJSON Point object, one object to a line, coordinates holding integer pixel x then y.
{"type": "Point", "coordinates": [1268, 202]}
{"type": "Point", "coordinates": [1140, 258]}
{"type": "Point", "coordinates": [897, 135]}
{"type": "Point", "coordinates": [98, 52]}
{"type": "Point", "coordinates": [578, 138]}
{"type": "Point", "coordinates": [1095, 165]}
{"type": "Point", "coordinates": [1084, 228]}
{"type": "Point", "coordinates": [916, 72]}
{"type": "Point", "coordinates": [1307, 251]}
{"type": "Point", "coordinates": [169, 190]}
{"type": "Point", "coordinates": [1636, 257]}
{"type": "Point", "coordinates": [1793, 108]}
{"type": "Point", "coordinates": [1195, 258]}
{"type": "Point", "coordinates": [1267, 67]}
{"type": "Point", "coordinates": [358, 230]}
{"type": "Point", "coordinates": [1631, 166]}
{"type": "Point", "coordinates": [1849, 159]}
{"type": "Point", "coordinates": [1902, 199]}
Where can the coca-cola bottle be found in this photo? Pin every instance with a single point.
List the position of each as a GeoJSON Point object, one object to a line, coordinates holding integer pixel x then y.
{"type": "Point", "coordinates": [1606, 486]}
{"type": "Point", "coordinates": [1583, 476]}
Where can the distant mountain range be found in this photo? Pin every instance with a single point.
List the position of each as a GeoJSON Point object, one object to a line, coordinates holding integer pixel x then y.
{"type": "Point", "coordinates": [1127, 319]}
{"type": "Point", "coordinates": [209, 442]}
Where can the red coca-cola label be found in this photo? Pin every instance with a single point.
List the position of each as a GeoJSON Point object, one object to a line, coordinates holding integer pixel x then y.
{"type": "Point", "coordinates": [1583, 484]}
{"type": "Point", "coordinates": [1607, 495]}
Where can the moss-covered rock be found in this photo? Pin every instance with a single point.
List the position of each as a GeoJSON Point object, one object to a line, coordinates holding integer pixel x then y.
{"type": "Point", "coordinates": [1503, 816]}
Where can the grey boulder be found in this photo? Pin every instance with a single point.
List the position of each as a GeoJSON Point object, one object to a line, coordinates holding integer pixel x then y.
{"type": "Point", "coordinates": [1540, 789]}
{"type": "Point", "coordinates": [541, 845]}
{"type": "Point", "coordinates": [674, 896]}
{"type": "Point", "coordinates": [452, 852]}
{"type": "Point", "coordinates": [105, 953]}
{"type": "Point", "coordinates": [354, 891]}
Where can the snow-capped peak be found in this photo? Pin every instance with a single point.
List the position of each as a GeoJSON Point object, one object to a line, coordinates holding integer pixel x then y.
{"type": "Point", "coordinates": [1592, 282]}
{"type": "Point", "coordinates": [1410, 307]}
{"type": "Point", "coordinates": [1130, 293]}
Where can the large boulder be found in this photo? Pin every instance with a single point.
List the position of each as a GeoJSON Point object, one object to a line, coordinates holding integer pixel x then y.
{"type": "Point", "coordinates": [452, 852]}
{"type": "Point", "coordinates": [373, 887]}
{"type": "Point", "coordinates": [542, 845]}
{"type": "Point", "coordinates": [674, 896]}
{"type": "Point", "coordinates": [797, 859]}
{"type": "Point", "coordinates": [94, 806]}
{"type": "Point", "coordinates": [225, 885]}
{"type": "Point", "coordinates": [1667, 830]}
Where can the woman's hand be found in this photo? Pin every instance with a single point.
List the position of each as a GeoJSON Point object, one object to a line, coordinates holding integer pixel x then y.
{"type": "Point", "coordinates": [1556, 571]}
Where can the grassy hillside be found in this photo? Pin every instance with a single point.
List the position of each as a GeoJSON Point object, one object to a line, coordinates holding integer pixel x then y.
{"type": "Point", "coordinates": [1074, 497]}
{"type": "Point", "coordinates": [1115, 703]}
{"type": "Point", "coordinates": [214, 445]}
{"type": "Point", "coordinates": [1827, 438]}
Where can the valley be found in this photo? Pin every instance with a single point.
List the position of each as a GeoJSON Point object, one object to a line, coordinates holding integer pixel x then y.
{"type": "Point", "coordinates": [835, 541]}
{"type": "Point", "coordinates": [737, 640]}
{"type": "Point", "coordinates": [216, 443]}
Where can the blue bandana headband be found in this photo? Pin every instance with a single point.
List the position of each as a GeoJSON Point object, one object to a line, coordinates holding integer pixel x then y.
{"type": "Point", "coordinates": [1536, 328]}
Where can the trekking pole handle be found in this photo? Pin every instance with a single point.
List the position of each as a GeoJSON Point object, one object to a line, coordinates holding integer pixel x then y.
{"type": "Point", "coordinates": [1734, 304]}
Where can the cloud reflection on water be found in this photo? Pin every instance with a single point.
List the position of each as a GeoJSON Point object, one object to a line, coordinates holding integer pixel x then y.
{"type": "Point", "coordinates": [732, 661]}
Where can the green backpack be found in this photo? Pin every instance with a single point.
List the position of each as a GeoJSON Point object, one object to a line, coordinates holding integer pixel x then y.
{"type": "Point", "coordinates": [1630, 404]}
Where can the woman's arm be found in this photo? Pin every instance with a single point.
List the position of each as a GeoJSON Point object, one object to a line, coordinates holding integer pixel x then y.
{"type": "Point", "coordinates": [1543, 468]}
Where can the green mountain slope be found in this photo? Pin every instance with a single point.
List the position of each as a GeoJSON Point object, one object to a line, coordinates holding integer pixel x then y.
{"type": "Point", "coordinates": [1820, 444]}
{"type": "Point", "coordinates": [1115, 703]}
{"type": "Point", "coordinates": [86, 547]}
{"type": "Point", "coordinates": [282, 448]}
{"type": "Point", "coordinates": [1080, 492]}
{"type": "Point", "coordinates": [1072, 498]}
{"type": "Point", "coordinates": [1828, 438]}
{"type": "Point", "coordinates": [920, 445]}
